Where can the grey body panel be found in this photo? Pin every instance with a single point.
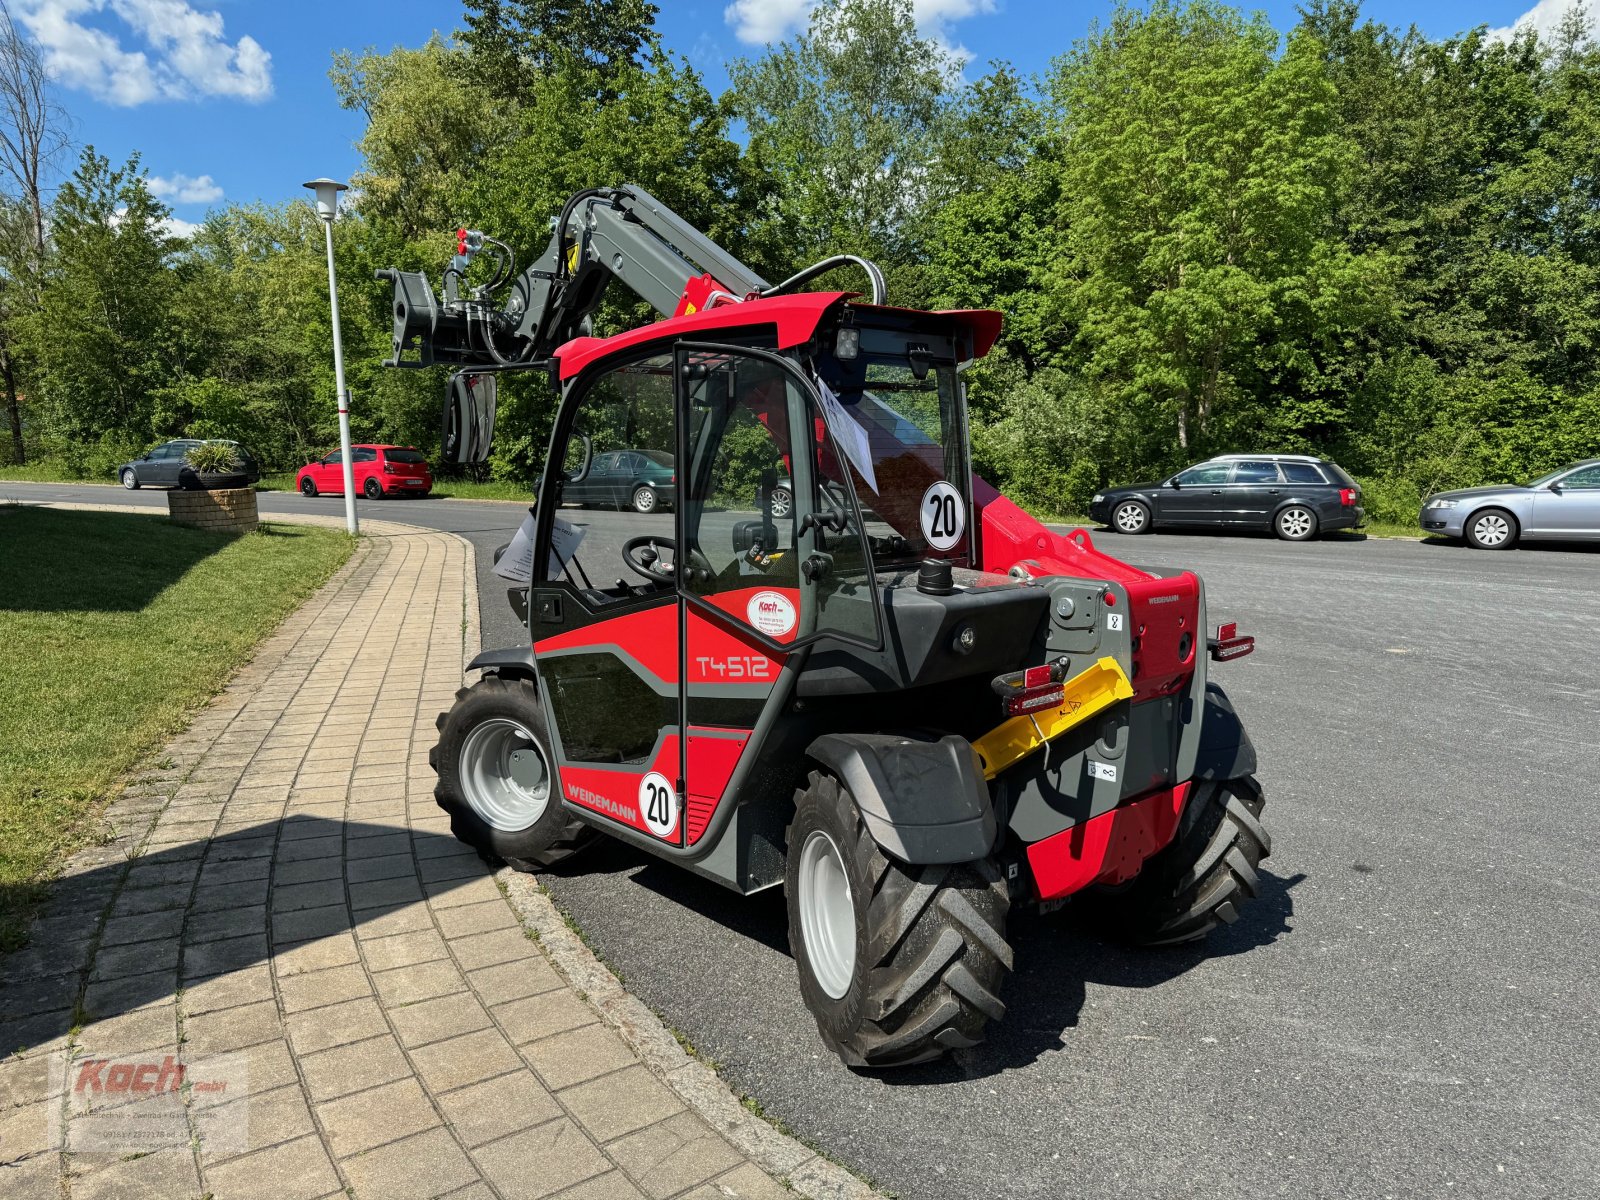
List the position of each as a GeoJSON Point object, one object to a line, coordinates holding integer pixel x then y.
{"type": "Point", "coordinates": [1541, 513]}
{"type": "Point", "coordinates": [513, 662]}
{"type": "Point", "coordinates": [923, 801]}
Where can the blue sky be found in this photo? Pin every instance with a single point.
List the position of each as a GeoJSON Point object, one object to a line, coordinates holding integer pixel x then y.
{"type": "Point", "coordinates": [229, 100]}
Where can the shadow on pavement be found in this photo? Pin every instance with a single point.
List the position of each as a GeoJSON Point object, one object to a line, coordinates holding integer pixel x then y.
{"type": "Point", "coordinates": [182, 915]}
{"type": "Point", "coordinates": [1056, 955]}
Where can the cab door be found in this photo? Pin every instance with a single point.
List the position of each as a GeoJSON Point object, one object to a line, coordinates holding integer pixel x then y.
{"type": "Point", "coordinates": [756, 586]}
{"type": "Point", "coordinates": [605, 616]}
{"type": "Point", "coordinates": [1573, 510]}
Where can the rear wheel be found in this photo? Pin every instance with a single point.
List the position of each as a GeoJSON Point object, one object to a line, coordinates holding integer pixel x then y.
{"type": "Point", "coordinates": [308, 486]}
{"type": "Point", "coordinates": [497, 777]}
{"type": "Point", "coordinates": [1297, 523]}
{"type": "Point", "coordinates": [644, 500]}
{"type": "Point", "coordinates": [1130, 517]}
{"type": "Point", "coordinates": [1492, 529]}
{"type": "Point", "coordinates": [898, 963]}
{"type": "Point", "coordinates": [1201, 879]}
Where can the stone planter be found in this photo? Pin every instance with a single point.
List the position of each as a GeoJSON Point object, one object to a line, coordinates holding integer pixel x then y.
{"type": "Point", "coordinates": [228, 510]}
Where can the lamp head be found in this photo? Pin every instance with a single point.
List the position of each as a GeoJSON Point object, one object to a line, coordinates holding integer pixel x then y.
{"type": "Point", "coordinates": [327, 192]}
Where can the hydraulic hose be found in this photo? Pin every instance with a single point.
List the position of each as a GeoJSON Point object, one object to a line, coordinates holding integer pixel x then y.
{"type": "Point", "coordinates": [880, 292]}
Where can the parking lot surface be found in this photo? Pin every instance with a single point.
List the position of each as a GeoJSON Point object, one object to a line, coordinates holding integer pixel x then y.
{"type": "Point", "coordinates": [1410, 1009]}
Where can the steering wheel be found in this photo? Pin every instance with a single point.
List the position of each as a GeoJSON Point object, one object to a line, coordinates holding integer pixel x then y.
{"type": "Point", "coordinates": [643, 555]}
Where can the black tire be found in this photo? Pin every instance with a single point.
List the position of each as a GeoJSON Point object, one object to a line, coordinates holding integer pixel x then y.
{"type": "Point", "coordinates": [308, 486]}
{"type": "Point", "coordinates": [555, 834]}
{"type": "Point", "coordinates": [1201, 879]}
{"type": "Point", "coordinates": [1130, 516]}
{"type": "Point", "coordinates": [130, 479]}
{"type": "Point", "coordinates": [1296, 523]}
{"type": "Point", "coordinates": [644, 499]}
{"type": "Point", "coordinates": [1485, 526]}
{"type": "Point", "coordinates": [780, 503]}
{"type": "Point", "coordinates": [372, 489]}
{"type": "Point", "coordinates": [930, 952]}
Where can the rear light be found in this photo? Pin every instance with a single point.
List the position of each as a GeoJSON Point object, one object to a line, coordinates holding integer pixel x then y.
{"type": "Point", "coordinates": [1348, 497]}
{"type": "Point", "coordinates": [1033, 689]}
{"type": "Point", "coordinates": [389, 468]}
{"type": "Point", "coordinates": [1230, 643]}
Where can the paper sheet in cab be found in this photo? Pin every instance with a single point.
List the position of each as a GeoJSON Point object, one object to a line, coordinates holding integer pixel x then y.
{"type": "Point", "coordinates": [516, 564]}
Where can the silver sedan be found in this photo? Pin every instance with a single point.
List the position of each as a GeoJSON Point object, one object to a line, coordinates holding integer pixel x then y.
{"type": "Point", "coordinates": [1564, 505]}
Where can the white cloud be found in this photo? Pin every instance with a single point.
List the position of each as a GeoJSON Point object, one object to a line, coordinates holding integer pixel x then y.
{"type": "Point", "coordinates": [178, 227]}
{"type": "Point", "coordinates": [1544, 17]}
{"type": "Point", "coordinates": [761, 21]}
{"type": "Point", "coordinates": [183, 52]}
{"type": "Point", "coordinates": [181, 189]}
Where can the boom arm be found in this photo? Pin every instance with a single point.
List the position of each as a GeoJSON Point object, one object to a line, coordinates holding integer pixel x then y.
{"type": "Point", "coordinates": [601, 234]}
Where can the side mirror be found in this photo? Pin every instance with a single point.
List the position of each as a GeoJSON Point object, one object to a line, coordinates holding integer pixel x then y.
{"type": "Point", "coordinates": [580, 471]}
{"type": "Point", "coordinates": [1555, 486]}
{"type": "Point", "coordinates": [1173, 482]}
{"type": "Point", "coordinates": [467, 434]}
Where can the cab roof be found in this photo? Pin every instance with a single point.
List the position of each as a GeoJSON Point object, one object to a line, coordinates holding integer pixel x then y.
{"type": "Point", "coordinates": [795, 317]}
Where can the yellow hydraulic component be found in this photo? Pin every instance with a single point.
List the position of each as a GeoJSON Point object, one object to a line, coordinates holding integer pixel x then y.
{"type": "Point", "coordinates": [1084, 695]}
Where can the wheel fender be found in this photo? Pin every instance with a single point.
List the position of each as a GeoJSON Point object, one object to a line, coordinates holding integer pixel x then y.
{"type": "Point", "coordinates": [922, 799]}
{"type": "Point", "coordinates": [513, 663]}
{"type": "Point", "coordinates": [1225, 748]}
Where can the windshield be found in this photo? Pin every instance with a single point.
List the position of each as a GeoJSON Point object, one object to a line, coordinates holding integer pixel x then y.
{"type": "Point", "coordinates": [904, 443]}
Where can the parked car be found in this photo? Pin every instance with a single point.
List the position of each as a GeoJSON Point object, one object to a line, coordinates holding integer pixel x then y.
{"type": "Point", "coordinates": [167, 466]}
{"type": "Point", "coordinates": [1296, 496]}
{"type": "Point", "coordinates": [1562, 505]}
{"type": "Point", "coordinates": [638, 479]}
{"type": "Point", "coordinates": [378, 471]}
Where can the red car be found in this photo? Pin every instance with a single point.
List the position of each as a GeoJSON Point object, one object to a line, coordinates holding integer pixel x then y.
{"type": "Point", "coordinates": [379, 471]}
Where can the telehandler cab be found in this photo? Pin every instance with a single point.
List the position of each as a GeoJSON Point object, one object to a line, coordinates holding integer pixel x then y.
{"type": "Point", "coordinates": [903, 699]}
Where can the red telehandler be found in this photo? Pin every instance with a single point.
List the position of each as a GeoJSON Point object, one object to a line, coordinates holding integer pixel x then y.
{"type": "Point", "coordinates": [827, 656]}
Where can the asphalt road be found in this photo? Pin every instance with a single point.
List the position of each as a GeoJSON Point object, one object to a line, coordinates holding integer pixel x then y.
{"type": "Point", "coordinates": [1409, 1011]}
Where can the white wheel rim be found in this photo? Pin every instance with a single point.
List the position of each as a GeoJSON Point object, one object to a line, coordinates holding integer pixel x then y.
{"type": "Point", "coordinates": [1491, 530]}
{"type": "Point", "coordinates": [1130, 518]}
{"type": "Point", "coordinates": [644, 500]}
{"type": "Point", "coordinates": [504, 774]}
{"type": "Point", "coordinates": [127, 480]}
{"type": "Point", "coordinates": [827, 915]}
{"type": "Point", "coordinates": [780, 504]}
{"type": "Point", "coordinates": [1296, 522]}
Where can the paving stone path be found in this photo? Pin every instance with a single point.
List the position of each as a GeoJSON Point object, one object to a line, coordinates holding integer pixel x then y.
{"type": "Point", "coordinates": [279, 894]}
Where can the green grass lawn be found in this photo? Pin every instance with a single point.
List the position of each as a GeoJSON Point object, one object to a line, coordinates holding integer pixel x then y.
{"type": "Point", "coordinates": [113, 628]}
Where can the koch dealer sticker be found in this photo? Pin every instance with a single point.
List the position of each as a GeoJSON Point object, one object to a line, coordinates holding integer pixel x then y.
{"type": "Point", "coordinates": [772, 613]}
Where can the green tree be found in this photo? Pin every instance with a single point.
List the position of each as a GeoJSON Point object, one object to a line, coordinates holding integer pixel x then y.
{"type": "Point", "coordinates": [1198, 273]}
{"type": "Point", "coordinates": [846, 120]}
{"type": "Point", "coordinates": [514, 42]}
{"type": "Point", "coordinates": [101, 339]}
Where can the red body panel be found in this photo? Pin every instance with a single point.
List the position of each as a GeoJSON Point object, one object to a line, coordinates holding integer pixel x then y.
{"type": "Point", "coordinates": [614, 791]}
{"type": "Point", "coordinates": [711, 764]}
{"type": "Point", "coordinates": [1110, 848]}
{"type": "Point", "coordinates": [395, 477]}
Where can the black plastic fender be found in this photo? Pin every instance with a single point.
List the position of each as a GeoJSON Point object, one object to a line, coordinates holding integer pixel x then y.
{"type": "Point", "coordinates": [924, 800]}
{"type": "Point", "coordinates": [513, 663]}
{"type": "Point", "coordinates": [1225, 748]}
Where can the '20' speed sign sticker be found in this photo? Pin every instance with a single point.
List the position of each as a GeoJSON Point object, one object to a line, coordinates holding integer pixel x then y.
{"type": "Point", "coordinates": [944, 516]}
{"type": "Point", "coordinates": [658, 804]}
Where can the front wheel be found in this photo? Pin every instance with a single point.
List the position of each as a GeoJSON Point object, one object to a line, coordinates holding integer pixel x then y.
{"type": "Point", "coordinates": [129, 479]}
{"type": "Point", "coordinates": [1296, 523]}
{"type": "Point", "coordinates": [1201, 879]}
{"type": "Point", "coordinates": [1492, 529]}
{"type": "Point", "coordinates": [644, 500]}
{"type": "Point", "coordinates": [497, 776]}
{"type": "Point", "coordinates": [898, 963]}
{"type": "Point", "coordinates": [308, 486]}
{"type": "Point", "coordinates": [1130, 517]}
{"type": "Point", "coordinates": [372, 489]}
{"type": "Point", "coordinates": [781, 503]}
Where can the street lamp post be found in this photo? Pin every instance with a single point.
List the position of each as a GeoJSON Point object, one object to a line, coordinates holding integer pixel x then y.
{"type": "Point", "coordinates": [327, 203]}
